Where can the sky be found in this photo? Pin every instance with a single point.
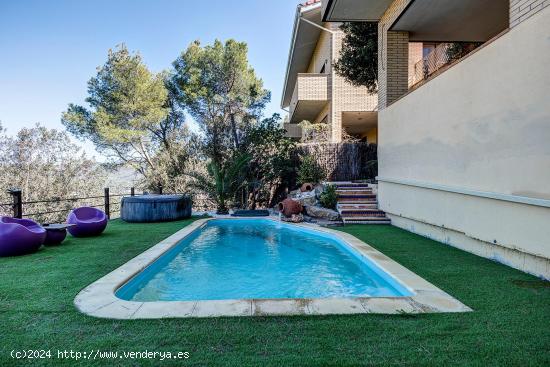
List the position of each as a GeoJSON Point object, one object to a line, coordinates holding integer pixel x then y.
{"type": "Point", "coordinates": [50, 49]}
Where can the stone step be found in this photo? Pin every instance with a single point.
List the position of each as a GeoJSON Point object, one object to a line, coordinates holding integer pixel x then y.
{"type": "Point", "coordinates": [367, 221]}
{"type": "Point", "coordinates": [356, 186]}
{"type": "Point", "coordinates": [357, 195]}
{"type": "Point", "coordinates": [354, 192]}
{"type": "Point", "coordinates": [361, 210]}
{"type": "Point", "coordinates": [358, 202]}
{"type": "Point", "coordinates": [373, 205]}
{"type": "Point", "coordinates": [363, 215]}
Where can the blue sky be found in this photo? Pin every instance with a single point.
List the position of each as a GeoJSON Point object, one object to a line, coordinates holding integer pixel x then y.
{"type": "Point", "coordinates": [49, 49]}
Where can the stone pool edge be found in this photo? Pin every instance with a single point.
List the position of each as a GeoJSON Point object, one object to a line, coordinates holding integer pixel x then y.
{"type": "Point", "coordinates": [99, 300]}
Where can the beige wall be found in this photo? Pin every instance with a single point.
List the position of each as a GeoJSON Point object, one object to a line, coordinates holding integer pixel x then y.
{"type": "Point", "coordinates": [322, 51]}
{"type": "Point", "coordinates": [468, 153]}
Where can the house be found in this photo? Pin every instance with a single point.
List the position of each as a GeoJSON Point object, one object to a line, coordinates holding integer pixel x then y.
{"type": "Point", "coordinates": [464, 146]}
{"type": "Point", "coordinates": [314, 92]}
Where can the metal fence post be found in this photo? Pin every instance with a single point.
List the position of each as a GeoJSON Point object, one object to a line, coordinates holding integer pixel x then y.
{"type": "Point", "coordinates": [160, 189]}
{"type": "Point", "coordinates": [132, 191]}
{"type": "Point", "coordinates": [17, 203]}
{"type": "Point", "coordinates": [107, 204]}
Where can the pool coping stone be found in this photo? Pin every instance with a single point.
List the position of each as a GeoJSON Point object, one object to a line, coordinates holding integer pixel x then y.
{"type": "Point", "coordinates": [99, 299]}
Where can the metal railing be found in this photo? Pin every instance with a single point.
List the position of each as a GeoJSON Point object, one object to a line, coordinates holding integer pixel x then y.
{"type": "Point", "coordinates": [442, 55]}
{"type": "Point", "coordinates": [56, 209]}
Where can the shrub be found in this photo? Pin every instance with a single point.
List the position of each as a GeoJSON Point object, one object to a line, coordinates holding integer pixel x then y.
{"type": "Point", "coordinates": [329, 198]}
{"type": "Point", "coordinates": [310, 171]}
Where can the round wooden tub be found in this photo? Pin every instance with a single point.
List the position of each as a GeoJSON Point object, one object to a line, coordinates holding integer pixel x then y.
{"type": "Point", "coordinates": [155, 208]}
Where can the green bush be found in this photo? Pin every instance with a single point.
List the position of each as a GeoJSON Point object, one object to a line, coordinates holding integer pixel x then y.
{"type": "Point", "coordinates": [329, 197]}
{"type": "Point", "coordinates": [310, 171]}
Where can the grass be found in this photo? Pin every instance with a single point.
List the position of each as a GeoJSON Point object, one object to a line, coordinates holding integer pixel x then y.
{"type": "Point", "coordinates": [510, 325]}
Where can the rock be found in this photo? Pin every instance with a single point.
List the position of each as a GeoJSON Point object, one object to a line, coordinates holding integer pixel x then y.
{"type": "Point", "coordinates": [293, 193]}
{"type": "Point", "coordinates": [319, 190]}
{"type": "Point", "coordinates": [306, 198]}
{"type": "Point", "coordinates": [324, 213]}
{"type": "Point", "coordinates": [295, 218]}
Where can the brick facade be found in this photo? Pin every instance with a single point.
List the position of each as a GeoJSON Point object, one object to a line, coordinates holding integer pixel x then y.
{"type": "Point", "coordinates": [342, 96]}
{"type": "Point", "coordinates": [393, 56]}
{"type": "Point", "coordinates": [521, 10]}
{"type": "Point", "coordinates": [346, 97]}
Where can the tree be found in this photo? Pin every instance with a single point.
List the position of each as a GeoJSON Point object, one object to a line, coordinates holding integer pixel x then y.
{"type": "Point", "coordinates": [219, 88]}
{"type": "Point", "coordinates": [133, 118]}
{"type": "Point", "coordinates": [221, 91]}
{"type": "Point", "coordinates": [270, 167]}
{"type": "Point", "coordinates": [45, 164]}
{"type": "Point", "coordinates": [222, 180]}
{"type": "Point", "coordinates": [358, 62]}
{"type": "Point", "coordinates": [457, 50]}
{"type": "Point", "coordinates": [310, 171]}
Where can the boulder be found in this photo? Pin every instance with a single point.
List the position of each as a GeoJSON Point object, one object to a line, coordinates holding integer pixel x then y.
{"type": "Point", "coordinates": [306, 198]}
{"type": "Point", "coordinates": [293, 193]}
{"type": "Point", "coordinates": [323, 213]}
{"type": "Point", "coordinates": [295, 218]}
{"type": "Point", "coordinates": [319, 190]}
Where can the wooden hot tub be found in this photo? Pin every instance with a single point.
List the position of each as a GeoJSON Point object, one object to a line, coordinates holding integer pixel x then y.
{"type": "Point", "coordinates": [155, 208]}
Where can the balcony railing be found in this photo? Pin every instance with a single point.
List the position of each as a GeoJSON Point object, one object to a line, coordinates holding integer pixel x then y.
{"type": "Point", "coordinates": [442, 55]}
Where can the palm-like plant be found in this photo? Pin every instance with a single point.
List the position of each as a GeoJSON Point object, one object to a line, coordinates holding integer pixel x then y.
{"type": "Point", "coordinates": [222, 180]}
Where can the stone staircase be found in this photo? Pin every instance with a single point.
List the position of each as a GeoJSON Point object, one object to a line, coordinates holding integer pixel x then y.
{"type": "Point", "coordinates": [357, 204]}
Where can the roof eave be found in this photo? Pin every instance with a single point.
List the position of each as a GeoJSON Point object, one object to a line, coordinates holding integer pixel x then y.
{"type": "Point", "coordinates": [300, 9]}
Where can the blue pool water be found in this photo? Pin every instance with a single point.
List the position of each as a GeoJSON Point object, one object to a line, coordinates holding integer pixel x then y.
{"type": "Point", "coordinates": [259, 258]}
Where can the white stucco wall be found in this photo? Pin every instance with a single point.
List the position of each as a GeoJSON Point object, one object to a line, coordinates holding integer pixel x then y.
{"type": "Point", "coordinates": [481, 128]}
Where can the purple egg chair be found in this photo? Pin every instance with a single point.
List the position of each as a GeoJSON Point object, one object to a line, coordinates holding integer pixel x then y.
{"type": "Point", "coordinates": [20, 236]}
{"type": "Point", "coordinates": [88, 222]}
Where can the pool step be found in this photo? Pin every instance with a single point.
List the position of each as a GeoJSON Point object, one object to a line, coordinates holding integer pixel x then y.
{"type": "Point", "coordinates": [357, 204]}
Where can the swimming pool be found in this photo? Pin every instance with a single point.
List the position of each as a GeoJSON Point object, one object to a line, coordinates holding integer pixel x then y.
{"type": "Point", "coordinates": [260, 267]}
{"type": "Point", "coordinates": [259, 259]}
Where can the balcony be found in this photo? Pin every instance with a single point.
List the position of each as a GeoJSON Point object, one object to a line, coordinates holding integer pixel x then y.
{"type": "Point", "coordinates": [443, 55]}
{"type": "Point", "coordinates": [310, 96]}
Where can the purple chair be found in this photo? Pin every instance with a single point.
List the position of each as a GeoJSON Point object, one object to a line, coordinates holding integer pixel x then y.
{"type": "Point", "coordinates": [89, 222]}
{"type": "Point", "coordinates": [20, 236]}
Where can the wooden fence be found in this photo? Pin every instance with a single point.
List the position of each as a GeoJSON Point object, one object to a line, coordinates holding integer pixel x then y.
{"type": "Point", "coordinates": [343, 161]}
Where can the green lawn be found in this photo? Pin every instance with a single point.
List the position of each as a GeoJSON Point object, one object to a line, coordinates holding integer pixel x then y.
{"type": "Point", "coordinates": [510, 324]}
